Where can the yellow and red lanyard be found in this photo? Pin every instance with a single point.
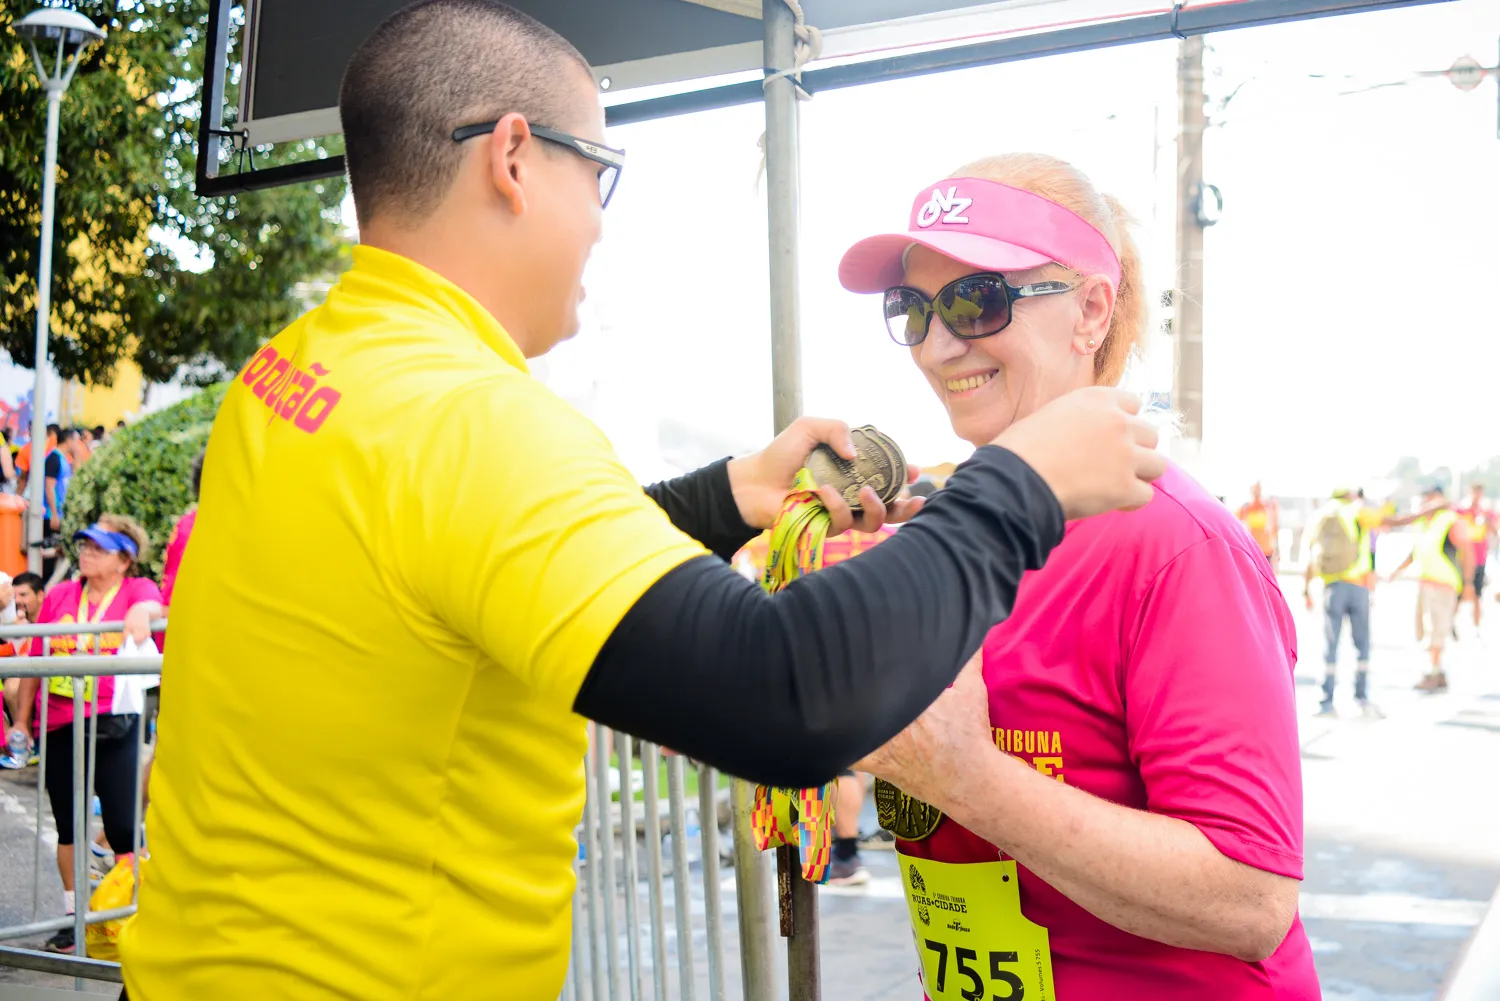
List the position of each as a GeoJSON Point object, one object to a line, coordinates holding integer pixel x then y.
{"type": "Point", "coordinates": [800, 817]}
{"type": "Point", "coordinates": [64, 685]}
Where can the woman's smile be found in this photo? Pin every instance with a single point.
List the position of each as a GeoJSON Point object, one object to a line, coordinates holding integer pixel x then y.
{"type": "Point", "coordinates": [961, 387]}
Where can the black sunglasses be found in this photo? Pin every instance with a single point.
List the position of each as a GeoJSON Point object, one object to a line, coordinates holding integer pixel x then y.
{"type": "Point", "coordinates": [972, 307]}
{"type": "Point", "coordinates": [610, 161]}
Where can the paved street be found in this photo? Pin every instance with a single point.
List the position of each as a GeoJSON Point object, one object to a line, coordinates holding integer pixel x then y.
{"type": "Point", "coordinates": [1402, 849]}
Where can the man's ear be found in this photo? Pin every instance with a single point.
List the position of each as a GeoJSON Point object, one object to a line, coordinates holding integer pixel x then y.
{"type": "Point", "coordinates": [510, 148]}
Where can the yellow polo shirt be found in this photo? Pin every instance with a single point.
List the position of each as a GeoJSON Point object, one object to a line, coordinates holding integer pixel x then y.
{"type": "Point", "coordinates": [407, 556]}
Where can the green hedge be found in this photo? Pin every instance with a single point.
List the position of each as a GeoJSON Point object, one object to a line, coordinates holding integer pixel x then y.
{"type": "Point", "coordinates": [143, 471]}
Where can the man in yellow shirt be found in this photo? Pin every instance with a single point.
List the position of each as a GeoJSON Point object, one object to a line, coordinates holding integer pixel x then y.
{"type": "Point", "coordinates": [373, 534]}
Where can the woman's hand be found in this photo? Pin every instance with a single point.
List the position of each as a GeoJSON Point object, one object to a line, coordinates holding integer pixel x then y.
{"type": "Point", "coordinates": [138, 622]}
{"type": "Point", "coordinates": [761, 481]}
{"type": "Point", "coordinates": [930, 757]}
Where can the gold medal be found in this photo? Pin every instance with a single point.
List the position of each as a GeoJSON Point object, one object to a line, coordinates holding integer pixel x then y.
{"type": "Point", "coordinates": [906, 817]}
{"type": "Point", "coordinates": [878, 464]}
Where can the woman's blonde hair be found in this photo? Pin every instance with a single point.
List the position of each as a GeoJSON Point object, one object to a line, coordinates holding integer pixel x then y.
{"type": "Point", "coordinates": [126, 525]}
{"type": "Point", "coordinates": [1061, 182]}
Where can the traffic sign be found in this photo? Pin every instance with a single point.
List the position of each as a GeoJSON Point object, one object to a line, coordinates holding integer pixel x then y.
{"type": "Point", "coordinates": [1466, 73]}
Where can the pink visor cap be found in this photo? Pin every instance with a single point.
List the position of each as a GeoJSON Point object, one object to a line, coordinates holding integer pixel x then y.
{"type": "Point", "coordinates": [986, 225]}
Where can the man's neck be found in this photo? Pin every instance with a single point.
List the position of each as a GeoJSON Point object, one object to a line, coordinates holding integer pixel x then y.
{"type": "Point", "coordinates": [462, 258]}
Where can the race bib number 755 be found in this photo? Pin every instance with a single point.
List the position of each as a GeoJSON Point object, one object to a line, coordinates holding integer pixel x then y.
{"type": "Point", "coordinates": [973, 940]}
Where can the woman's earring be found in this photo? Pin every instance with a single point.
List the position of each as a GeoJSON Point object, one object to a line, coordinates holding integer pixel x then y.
{"type": "Point", "coordinates": [1091, 344]}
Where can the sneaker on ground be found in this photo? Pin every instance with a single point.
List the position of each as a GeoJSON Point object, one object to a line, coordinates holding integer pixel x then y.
{"type": "Point", "coordinates": [1433, 683]}
{"type": "Point", "coordinates": [1369, 710]}
{"type": "Point", "coordinates": [847, 872]}
{"type": "Point", "coordinates": [61, 941]}
{"type": "Point", "coordinates": [12, 763]}
{"type": "Point", "coordinates": [1326, 711]}
{"type": "Point", "coordinates": [881, 841]}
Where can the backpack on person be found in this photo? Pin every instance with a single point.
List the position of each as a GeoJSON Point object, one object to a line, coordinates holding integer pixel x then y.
{"type": "Point", "coordinates": [1338, 548]}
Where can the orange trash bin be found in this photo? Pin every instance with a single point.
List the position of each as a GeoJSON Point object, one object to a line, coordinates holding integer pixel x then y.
{"type": "Point", "coordinates": [12, 534]}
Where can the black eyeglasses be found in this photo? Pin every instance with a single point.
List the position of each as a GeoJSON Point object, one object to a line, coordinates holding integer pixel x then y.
{"type": "Point", "coordinates": [610, 161]}
{"type": "Point", "coordinates": [974, 306]}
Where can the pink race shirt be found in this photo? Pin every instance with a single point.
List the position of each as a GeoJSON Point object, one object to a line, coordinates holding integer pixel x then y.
{"type": "Point", "coordinates": [175, 548]}
{"type": "Point", "coordinates": [1150, 664]}
{"type": "Point", "coordinates": [61, 605]}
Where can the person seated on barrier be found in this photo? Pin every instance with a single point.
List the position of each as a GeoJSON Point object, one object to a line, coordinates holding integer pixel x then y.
{"type": "Point", "coordinates": [109, 554]}
{"type": "Point", "coordinates": [29, 591]}
{"type": "Point", "coordinates": [389, 495]}
{"type": "Point", "coordinates": [1108, 804]}
{"type": "Point", "coordinates": [20, 748]}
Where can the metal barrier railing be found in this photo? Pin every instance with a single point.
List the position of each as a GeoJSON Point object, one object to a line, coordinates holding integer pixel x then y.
{"type": "Point", "coordinates": [84, 735]}
{"type": "Point", "coordinates": [616, 830]}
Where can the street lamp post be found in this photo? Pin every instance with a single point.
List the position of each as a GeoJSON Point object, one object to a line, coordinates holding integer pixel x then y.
{"type": "Point", "coordinates": [72, 33]}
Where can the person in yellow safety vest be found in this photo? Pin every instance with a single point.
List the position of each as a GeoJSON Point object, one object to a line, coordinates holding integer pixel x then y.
{"type": "Point", "coordinates": [1444, 557]}
{"type": "Point", "coordinates": [1340, 554]}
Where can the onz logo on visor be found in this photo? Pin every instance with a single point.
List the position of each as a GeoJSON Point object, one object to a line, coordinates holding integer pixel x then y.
{"type": "Point", "coordinates": [946, 205]}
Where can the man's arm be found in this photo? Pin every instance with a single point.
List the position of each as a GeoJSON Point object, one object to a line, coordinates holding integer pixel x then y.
{"type": "Point", "coordinates": [1402, 522]}
{"type": "Point", "coordinates": [789, 688]}
{"type": "Point", "coordinates": [576, 584]}
{"type": "Point", "coordinates": [701, 506]}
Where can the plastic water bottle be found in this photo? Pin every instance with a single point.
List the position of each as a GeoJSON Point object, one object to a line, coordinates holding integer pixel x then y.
{"type": "Point", "coordinates": [18, 743]}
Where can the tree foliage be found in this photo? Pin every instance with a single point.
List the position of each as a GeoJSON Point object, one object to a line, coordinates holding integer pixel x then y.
{"type": "Point", "coordinates": [144, 471]}
{"type": "Point", "coordinates": [127, 215]}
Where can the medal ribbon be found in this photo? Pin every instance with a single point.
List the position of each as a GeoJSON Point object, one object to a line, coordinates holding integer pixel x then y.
{"type": "Point", "coordinates": [800, 817]}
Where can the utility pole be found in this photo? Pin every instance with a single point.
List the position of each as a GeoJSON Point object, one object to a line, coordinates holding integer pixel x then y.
{"type": "Point", "coordinates": [1187, 297]}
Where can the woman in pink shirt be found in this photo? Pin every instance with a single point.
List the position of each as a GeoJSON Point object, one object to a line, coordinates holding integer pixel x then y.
{"type": "Point", "coordinates": [109, 553]}
{"type": "Point", "coordinates": [1118, 773]}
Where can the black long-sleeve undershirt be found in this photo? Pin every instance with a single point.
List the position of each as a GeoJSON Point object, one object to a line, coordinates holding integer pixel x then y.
{"type": "Point", "coordinates": [788, 689]}
{"type": "Point", "coordinates": [701, 505]}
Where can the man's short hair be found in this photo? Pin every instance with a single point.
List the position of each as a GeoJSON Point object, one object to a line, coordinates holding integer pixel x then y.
{"type": "Point", "coordinates": [430, 68]}
{"type": "Point", "coordinates": [54, 430]}
{"type": "Point", "coordinates": [67, 435]}
{"type": "Point", "coordinates": [31, 580]}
